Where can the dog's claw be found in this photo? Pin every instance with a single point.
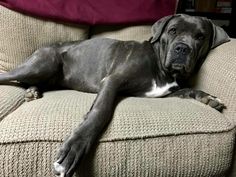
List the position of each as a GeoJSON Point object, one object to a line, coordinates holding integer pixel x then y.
{"type": "Point", "coordinates": [32, 93]}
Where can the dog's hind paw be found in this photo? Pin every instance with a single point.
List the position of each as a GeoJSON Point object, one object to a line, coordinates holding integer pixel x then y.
{"type": "Point", "coordinates": [32, 93]}
{"type": "Point", "coordinates": [213, 102]}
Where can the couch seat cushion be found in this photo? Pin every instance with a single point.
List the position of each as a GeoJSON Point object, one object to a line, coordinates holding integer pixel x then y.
{"type": "Point", "coordinates": [58, 112]}
{"type": "Point", "coordinates": [10, 98]}
{"type": "Point", "coordinates": [168, 137]}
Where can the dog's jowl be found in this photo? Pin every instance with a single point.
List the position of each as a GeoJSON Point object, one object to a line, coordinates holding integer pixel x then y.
{"type": "Point", "coordinates": [153, 68]}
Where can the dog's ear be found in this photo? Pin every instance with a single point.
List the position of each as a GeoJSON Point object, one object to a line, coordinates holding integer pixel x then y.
{"type": "Point", "coordinates": [219, 36]}
{"type": "Point", "coordinates": [159, 26]}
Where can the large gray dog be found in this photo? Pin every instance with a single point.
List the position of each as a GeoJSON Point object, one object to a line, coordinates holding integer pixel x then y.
{"type": "Point", "coordinates": [109, 67]}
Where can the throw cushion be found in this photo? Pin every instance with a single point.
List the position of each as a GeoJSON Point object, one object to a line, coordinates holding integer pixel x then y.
{"type": "Point", "coordinates": [96, 12]}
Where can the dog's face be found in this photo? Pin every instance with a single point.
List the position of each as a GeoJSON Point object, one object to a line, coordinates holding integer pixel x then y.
{"type": "Point", "coordinates": [184, 41]}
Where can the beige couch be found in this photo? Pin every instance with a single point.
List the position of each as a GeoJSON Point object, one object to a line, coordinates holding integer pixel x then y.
{"type": "Point", "coordinates": [168, 137]}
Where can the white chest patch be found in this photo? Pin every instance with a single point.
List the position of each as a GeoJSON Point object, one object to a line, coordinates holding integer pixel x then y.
{"type": "Point", "coordinates": [157, 91]}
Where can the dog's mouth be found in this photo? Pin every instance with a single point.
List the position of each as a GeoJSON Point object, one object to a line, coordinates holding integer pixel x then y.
{"type": "Point", "coordinates": [178, 70]}
{"type": "Point", "coordinates": [178, 60]}
{"type": "Point", "coordinates": [177, 66]}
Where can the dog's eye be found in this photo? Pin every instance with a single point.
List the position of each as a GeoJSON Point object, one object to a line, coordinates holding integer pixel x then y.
{"type": "Point", "coordinates": [200, 36]}
{"type": "Point", "coordinates": [172, 31]}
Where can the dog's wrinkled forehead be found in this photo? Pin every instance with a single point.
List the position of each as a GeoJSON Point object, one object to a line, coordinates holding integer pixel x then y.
{"type": "Point", "coordinates": [190, 24]}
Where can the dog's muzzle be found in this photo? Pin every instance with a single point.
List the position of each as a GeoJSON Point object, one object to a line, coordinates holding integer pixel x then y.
{"type": "Point", "coordinates": [178, 61]}
{"type": "Point", "coordinates": [179, 58]}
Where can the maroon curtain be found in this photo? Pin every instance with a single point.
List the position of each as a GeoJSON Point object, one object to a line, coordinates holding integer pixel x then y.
{"type": "Point", "coordinates": [95, 11]}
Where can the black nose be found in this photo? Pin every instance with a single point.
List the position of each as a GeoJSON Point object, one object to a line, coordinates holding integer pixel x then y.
{"type": "Point", "coordinates": [182, 48]}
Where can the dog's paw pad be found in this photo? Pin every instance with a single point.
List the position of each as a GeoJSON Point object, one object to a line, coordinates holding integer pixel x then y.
{"type": "Point", "coordinates": [32, 93]}
{"type": "Point", "coordinates": [214, 102]}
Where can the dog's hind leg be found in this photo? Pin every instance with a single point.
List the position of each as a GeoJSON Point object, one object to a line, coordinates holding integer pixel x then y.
{"type": "Point", "coordinates": [40, 67]}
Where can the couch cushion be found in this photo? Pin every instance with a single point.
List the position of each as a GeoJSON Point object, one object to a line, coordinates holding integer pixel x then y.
{"type": "Point", "coordinates": [20, 35]}
{"type": "Point", "coordinates": [197, 155]}
{"type": "Point", "coordinates": [122, 32]}
{"type": "Point", "coordinates": [11, 97]}
{"type": "Point", "coordinates": [218, 76]}
{"type": "Point", "coordinates": [170, 136]}
{"type": "Point", "coordinates": [134, 118]}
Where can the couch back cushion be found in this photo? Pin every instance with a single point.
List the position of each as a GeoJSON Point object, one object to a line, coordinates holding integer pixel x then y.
{"type": "Point", "coordinates": [122, 32]}
{"type": "Point", "coordinates": [20, 35]}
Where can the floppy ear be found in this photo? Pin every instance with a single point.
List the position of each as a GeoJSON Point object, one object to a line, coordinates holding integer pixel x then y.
{"type": "Point", "coordinates": [219, 36]}
{"type": "Point", "coordinates": [159, 27]}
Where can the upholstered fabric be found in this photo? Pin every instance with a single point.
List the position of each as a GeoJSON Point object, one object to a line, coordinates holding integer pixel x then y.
{"type": "Point", "coordinates": [134, 118]}
{"type": "Point", "coordinates": [187, 155]}
{"type": "Point", "coordinates": [218, 76]}
{"type": "Point", "coordinates": [125, 33]}
{"type": "Point", "coordinates": [163, 136]}
{"type": "Point", "coordinates": [20, 35]}
{"type": "Point", "coordinates": [27, 159]}
{"type": "Point", "coordinates": [10, 98]}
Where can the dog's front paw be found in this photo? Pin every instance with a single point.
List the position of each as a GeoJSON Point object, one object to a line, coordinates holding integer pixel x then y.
{"type": "Point", "coordinates": [69, 156]}
{"type": "Point", "coordinates": [32, 93]}
{"type": "Point", "coordinates": [214, 102]}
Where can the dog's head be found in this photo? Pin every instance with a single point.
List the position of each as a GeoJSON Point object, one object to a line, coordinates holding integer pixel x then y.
{"type": "Point", "coordinates": [184, 41]}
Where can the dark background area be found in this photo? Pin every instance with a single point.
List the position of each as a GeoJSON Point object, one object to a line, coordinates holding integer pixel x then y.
{"type": "Point", "coordinates": [222, 12]}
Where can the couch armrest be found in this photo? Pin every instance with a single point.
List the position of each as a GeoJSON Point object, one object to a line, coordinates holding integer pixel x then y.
{"type": "Point", "coordinates": [217, 76]}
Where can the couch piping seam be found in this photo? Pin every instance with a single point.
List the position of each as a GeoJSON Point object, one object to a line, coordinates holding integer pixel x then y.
{"type": "Point", "coordinates": [233, 130]}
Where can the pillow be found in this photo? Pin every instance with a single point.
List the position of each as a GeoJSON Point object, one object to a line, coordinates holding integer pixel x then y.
{"type": "Point", "coordinates": [96, 12]}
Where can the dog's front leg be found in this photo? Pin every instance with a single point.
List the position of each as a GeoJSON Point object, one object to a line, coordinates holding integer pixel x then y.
{"type": "Point", "coordinates": [201, 96]}
{"type": "Point", "coordinates": [83, 137]}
